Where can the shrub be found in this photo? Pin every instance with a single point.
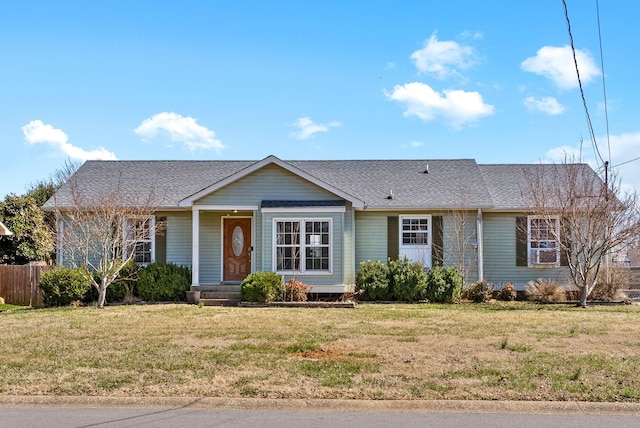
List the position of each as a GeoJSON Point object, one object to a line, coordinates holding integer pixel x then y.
{"type": "Point", "coordinates": [480, 292]}
{"type": "Point", "coordinates": [262, 287]}
{"type": "Point", "coordinates": [163, 282]}
{"type": "Point", "coordinates": [372, 282]}
{"type": "Point", "coordinates": [444, 285]}
{"type": "Point", "coordinates": [296, 291]}
{"type": "Point", "coordinates": [545, 291]}
{"type": "Point", "coordinates": [508, 293]}
{"type": "Point", "coordinates": [407, 280]}
{"type": "Point", "coordinates": [62, 286]}
{"type": "Point", "coordinates": [609, 284]}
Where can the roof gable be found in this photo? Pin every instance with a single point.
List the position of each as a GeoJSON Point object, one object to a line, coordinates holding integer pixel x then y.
{"type": "Point", "coordinates": [270, 160]}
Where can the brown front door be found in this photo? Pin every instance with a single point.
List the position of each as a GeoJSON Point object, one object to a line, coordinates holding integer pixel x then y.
{"type": "Point", "coordinates": [237, 248]}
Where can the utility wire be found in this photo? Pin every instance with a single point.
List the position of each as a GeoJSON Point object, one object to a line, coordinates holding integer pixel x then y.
{"type": "Point", "coordinates": [604, 87]}
{"type": "Point", "coordinates": [584, 100]}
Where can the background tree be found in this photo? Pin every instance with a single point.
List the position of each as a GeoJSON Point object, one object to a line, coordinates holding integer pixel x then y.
{"type": "Point", "coordinates": [587, 218]}
{"type": "Point", "coordinates": [100, 235]}
{"type": "Point", "coordinates": [32, 239]}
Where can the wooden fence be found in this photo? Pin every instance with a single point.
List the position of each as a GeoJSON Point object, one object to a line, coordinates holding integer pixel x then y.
{"type": "Point", "coordinates": [19, 284]}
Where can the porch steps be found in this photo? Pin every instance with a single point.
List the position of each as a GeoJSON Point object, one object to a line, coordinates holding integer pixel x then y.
{"type": "Point", "coordinates": [220, 294]}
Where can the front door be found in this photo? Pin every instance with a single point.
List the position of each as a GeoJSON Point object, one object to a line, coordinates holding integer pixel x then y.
{"type": "Point", "coordinates": [237, 248]}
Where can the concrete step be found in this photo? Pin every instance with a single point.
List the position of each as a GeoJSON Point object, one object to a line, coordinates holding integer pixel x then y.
{"type": "Point", "coordinates": [220, 295]}
{"type": "Point", "coordinates": [220, 302]}
{"type": "Point", "coordinates": [225, 288]}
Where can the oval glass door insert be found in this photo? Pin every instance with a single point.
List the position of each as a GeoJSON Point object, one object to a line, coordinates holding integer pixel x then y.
{"type": "Point", "coordinates": [237, 241]}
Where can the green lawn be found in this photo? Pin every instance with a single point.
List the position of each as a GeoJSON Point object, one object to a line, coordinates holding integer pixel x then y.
{"type": "Point", "coordinates": [7, 307]}
{"type": "Point", "coordinates": [505, 351]}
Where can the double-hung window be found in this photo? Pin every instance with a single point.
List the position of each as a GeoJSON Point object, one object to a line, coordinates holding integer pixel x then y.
{"type": "Point", "coordinates": [139, 234]}
{"type": "Point", "coordinates": [302, 245]}
{"type": "Point", "coordinates": [543, 240]}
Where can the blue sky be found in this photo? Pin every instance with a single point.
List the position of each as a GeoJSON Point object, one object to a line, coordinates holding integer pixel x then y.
{"type": "Point", "coordinates": [491, 80]}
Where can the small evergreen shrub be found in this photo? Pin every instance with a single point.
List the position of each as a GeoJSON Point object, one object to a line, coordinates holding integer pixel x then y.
{"type": "Point", "coordinates": [545, 291]}
{"type": "Point", "coordinates": [163, 282]}
{"type": "Point", "coordinates": [125, 287]}
{"type": "Point", "coordinates": [480, 292]}
{"type": "Point", "coordinates": [372, 282]}
{"type": "Point", "coordinates": [407, 280]}
{"type": "Point", "coordinates": [263, 287]}
{"type": "Point", "coordinates": [508, 293]}
{"type": "Point", "coordinates": [444, 285]}
{"type": "Point", "coordinates": [62, 286]}
{"type": "Point", "coordinates": [296, 291]}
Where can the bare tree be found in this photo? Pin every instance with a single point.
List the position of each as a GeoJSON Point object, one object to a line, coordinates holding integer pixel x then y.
{"type": "Point", "coordinates": [99, 235]}
{"type": "Point", "coordinates": [461, 235]}
{"type": "Point", "coordinates": [582, 217]}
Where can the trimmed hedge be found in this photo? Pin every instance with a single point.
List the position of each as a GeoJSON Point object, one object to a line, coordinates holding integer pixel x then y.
{"type": "Point", "coordinates": [163, 282]}
{"type": "Point", "coordinates": [407, 280]}
{"type": "Point", "coordinates": [263, 287]}
{"type": "Point", "coordinates": [62, 286]}
{"type": "Point", "coordinates": [372, 282]}
{"type": "Point", "coordinates": [444, 285]}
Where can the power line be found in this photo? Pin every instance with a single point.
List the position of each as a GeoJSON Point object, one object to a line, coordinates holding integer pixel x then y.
{"type": "Point", "coordinates": [624, 163]}
{"type": "Point", "coordinates": [584, 100]}
{"type": "Point", "coordinates": [604, 87]}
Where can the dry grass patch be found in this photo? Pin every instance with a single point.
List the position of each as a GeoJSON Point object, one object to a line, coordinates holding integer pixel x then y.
{"type": "Point", "coordinates": [515, 350]}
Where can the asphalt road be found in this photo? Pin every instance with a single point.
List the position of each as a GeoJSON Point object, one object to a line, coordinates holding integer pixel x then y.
{"type": "Point", "coordinates": [65, 411]}
{"type": "Point", "coordinates": [221, 418]}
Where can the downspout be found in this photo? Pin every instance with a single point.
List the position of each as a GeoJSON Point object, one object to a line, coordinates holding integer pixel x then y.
{"type": "Point", "coordinates": [480, 239]}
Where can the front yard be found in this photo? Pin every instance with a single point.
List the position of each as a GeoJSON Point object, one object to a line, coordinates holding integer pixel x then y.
{"type": "Point", "coordinates": [508, 351]}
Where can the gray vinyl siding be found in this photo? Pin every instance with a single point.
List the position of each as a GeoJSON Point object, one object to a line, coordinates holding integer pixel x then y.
{"type": "Point", "coordinates": [459, 233]}
{"type": "Point", "coordinates": [268, 183]}
{"type": "Point", "coordinates": [336, 276]}
{"type": "Point", "coordinates": [500, 254]}
{"type": "Point", "coordinates": [371, 236]}
{"type": "Point", "coordinates": [179, 234]}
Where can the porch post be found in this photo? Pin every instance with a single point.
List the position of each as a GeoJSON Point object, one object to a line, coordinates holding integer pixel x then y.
{"type": "Point", "coordinates": [195, 247]}
{"type": "Point", "coordinates": [479, 237]}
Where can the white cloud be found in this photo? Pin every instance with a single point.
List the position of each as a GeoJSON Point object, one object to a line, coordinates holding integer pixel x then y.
{"type": "Point", "coordinates": [305, 128]}
{"type": "Point", "coordinates": [562, 153]}
{"type": "Point", "coordinates": [443, 58]}
{"type": "Point", "coordinates": [557, 65]}
{"type": "Point", "coordinates": [37, 132]}
{"type": "Point", "coordinates": [414, 144]}
{"type": "Point", "coordinates": [457, 107]}
{"type": "Point", "coordinates": [547, 105]}
{"type": "Point", "coordinates": [625, 149]}
{"type": "Point", "coordinates": [181, 129]}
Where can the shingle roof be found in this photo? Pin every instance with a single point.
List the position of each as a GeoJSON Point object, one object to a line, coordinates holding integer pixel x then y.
{"type": "Point", "coordinates": [447, 184]}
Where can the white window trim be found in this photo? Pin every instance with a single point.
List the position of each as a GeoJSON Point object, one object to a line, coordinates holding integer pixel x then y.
{"type": "Point", "coordinates": [151, 240]}
{"type": "Point", "coordinates": [534, 261]}
{"type": "Point", "coordinates": [303, 270]}
{"type": "Point", "coordinates": [408, 249]}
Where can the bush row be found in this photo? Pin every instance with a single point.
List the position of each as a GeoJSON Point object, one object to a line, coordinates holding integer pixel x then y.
{"type": "Point", "coordinates": [404, 280]}
{"type": "Point", "coordinates": [265, 287]}
{"type": "Point", "coordinates": [155, 282]}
